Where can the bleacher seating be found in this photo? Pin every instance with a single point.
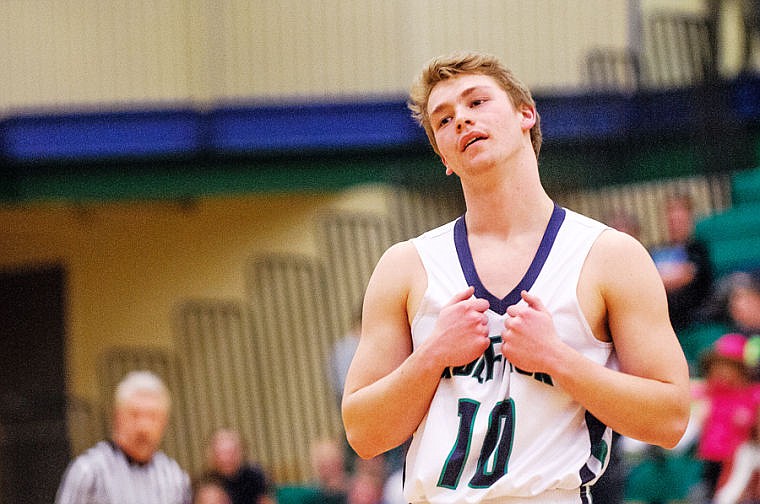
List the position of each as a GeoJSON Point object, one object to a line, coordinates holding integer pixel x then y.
{"type": "Point", "coordinates": [733, 236]}
{"type": "Point", "coordinates": [745, 187]}
{"type": "Point", "coordinates": [733, 239]}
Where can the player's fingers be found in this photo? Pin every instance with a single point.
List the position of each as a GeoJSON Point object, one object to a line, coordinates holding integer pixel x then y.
{"type": "Point", "coordinates": [461, 296]}
{"type": "Point", "coordinates": [480, 304]}
{"type": "Point", "coordinates": [515, 309]}
{"type": "Point", "coordinates": [533, 301]}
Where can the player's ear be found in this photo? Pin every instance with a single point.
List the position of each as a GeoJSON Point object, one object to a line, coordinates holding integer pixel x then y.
{"type": "Point", "coordinates": [528, 114]}
{"type": "Point", "coordinates": [449, 171]}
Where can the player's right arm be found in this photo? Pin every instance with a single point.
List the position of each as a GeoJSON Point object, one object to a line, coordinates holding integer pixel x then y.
{"type": "Point", "coordinates": [389, 385]}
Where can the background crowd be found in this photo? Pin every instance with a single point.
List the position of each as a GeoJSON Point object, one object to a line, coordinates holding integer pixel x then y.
{"type": "Point", "coordinates": [717, 461]}
{"type": "Point", "coordinates": [718, 322]}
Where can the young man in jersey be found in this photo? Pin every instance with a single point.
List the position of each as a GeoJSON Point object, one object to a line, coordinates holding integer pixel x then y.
{"type": "Point", "coordinates": [510, 342]}
{"type": "Point", "coordinates": [129, 468]}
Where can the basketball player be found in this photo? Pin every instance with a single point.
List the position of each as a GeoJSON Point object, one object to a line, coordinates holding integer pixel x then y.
{"type": "Point", "coordinates": [510, 342]}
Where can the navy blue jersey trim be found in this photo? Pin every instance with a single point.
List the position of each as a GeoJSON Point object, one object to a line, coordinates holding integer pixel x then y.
{"type": "Point", "coordinates": [585, 495]}
{"type": "Point", "coordinates": [600, 450]}
{"type": "Point", "coordinates": [471, 275]}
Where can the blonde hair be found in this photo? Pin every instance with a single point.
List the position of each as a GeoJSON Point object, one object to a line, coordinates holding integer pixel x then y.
{"type": "Point", "coordinates": [452, 65]}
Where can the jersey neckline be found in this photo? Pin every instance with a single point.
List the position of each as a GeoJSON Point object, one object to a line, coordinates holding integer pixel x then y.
{"type": "Point", "coordinates": [467, 264]}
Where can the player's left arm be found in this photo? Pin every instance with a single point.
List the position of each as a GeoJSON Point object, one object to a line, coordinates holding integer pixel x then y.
{"type": "Point", "coordinates": [649, 399]}
{"type": "Point", "coordinates": [623, 298]}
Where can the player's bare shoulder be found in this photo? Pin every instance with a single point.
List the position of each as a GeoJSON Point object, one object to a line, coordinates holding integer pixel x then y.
{"type": "Point", "coordinates": [617, 251]}
{"type": "Point", "coordinates": [400, 259]}
{"type": "Point", "coordinates": [399, 273]}
{"type": "Point", "coordinates": [620, 267]}
{"type": "Point", "coordinates": [617, 268]}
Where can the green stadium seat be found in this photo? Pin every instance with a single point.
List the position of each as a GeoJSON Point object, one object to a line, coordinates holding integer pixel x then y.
{"type": "Point", "coordinates": [298, 494]}
{"type": "Point", "coordinates": [733, 238]}
{"type": "Point", "coordinates": [663, 476]}
{"type": "Point", "coordinates": [745, 187]}
{"type": "Point", "coordinates": [741, 254]}
{"type": "Point", "coordinates": [738, 222]}
{"type": "Point", "coordinates": [698, 338]}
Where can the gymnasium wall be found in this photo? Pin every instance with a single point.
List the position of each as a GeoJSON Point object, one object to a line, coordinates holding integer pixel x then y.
{"type": "Point", "coordinates": [64, 53]}
{"type": "Point", "coordinates": [128, 263]}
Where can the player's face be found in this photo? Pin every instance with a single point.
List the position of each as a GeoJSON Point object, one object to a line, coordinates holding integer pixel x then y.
{"type": "Point", "coordinates": [139, 424]}
{"type": "Point", "coordinates": [474, 121]}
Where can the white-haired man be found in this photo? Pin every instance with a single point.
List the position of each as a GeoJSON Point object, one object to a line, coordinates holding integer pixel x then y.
{"type": "Point", "coordinates": [130, 468]}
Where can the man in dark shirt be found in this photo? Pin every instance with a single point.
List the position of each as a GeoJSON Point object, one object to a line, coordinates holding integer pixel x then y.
{"type": "Point", "coordinates": [245, 482]}
{"type": "Point", "coordinates": [684, 263]}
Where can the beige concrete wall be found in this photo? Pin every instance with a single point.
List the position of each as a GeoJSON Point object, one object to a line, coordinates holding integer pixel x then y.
{"type": "Point", "coordinates": [64, 53]}
{"type": "Point", "coordinates": [129, 264]}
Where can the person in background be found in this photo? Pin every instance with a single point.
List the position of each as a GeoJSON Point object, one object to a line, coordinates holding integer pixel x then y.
{"type": "Point", "coordinates": [366, 483]}
{"type": "Point", "coordinates": [744, 303]}
{"type": "Point", "coordinates": [210, 490]}
{"type": "Point", "coordinates": [244, 481]}
{"type": "Point", "coordinates": [734, 306]}
{"type": "Point", "coordinates": [129, 468]}
{"type": "Point", "coordinates": [736, 302]}
{"type": "Point", "coordinates": [331, 476]}
{"type": "Point", "coordinates": [728, 401]}
{"type": "Point", "coordinates": [740, 480]}
{"type": "Point", "coordinates": [624, 222]}
{"type": "Point", "coordinates": [343, 351]}
{"type": "Point", "coordinates": [683, 263]}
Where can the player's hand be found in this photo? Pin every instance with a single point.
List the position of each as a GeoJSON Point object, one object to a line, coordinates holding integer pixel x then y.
{"type": "Point", "coordinates": [529, 338]}
{"type": "Point", "coordinates": [461, 332]}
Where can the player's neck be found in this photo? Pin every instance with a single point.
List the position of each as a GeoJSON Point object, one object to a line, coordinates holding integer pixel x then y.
{"type": "Point", "coordinates": [511, 194]}
{"type": "Point", "coordinates": [504, 211]}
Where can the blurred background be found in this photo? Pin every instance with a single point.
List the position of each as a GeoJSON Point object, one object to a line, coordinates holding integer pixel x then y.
{"type": "Point", "coordinates": [202, 188]}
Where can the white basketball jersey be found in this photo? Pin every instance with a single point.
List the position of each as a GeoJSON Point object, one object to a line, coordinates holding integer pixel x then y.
{"type": "Point", "coordinates": [494, 432]}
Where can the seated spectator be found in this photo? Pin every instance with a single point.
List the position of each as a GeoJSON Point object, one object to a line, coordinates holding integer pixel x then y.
{"type": "Point", "coordinates": [735, 302]}
{"type": "Point", "coordinates": [743, 302]}
{"type": "Point", "coordinates": [741, 479]}
{"type": "Point", "coordinates": [244, 481]}
{"type": "Point", "coordinates": [684, 263]}
{"type": "Point", "coordinates": [729, 404]}
{"type": "Point", "coordinates": [328, 462]}
{"type": "Point", "coordinates": [342, 353]}
{"type": "Point", "coordinates": [366, 484]}
{"type": "Point", "coordinates": [210, 490]}
{"type": "Point", "coordinates": [733, 307]}
{"type": "Point", "coordinates": [625, 223]}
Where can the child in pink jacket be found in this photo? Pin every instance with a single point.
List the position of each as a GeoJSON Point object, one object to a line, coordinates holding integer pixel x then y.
{"type": "Point", "coordinates": [730, 401]}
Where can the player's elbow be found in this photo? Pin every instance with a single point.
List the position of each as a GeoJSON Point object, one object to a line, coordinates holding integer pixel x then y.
{"type": "Point", "coordinates": [359, 434]}
{"type": "Point", "coordinates": [362, 445]}
{"type": "Point", "coordinates": [677, 431]}
{"type": "Point", "coordinates": [673, 428]}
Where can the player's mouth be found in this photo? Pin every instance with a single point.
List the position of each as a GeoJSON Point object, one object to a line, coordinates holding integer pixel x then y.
{"type": "Point", "coordinates": [470, 139]}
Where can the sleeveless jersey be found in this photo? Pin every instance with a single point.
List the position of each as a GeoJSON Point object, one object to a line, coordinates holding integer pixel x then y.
{"type": "Point", "coordinates": [494, 432]}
